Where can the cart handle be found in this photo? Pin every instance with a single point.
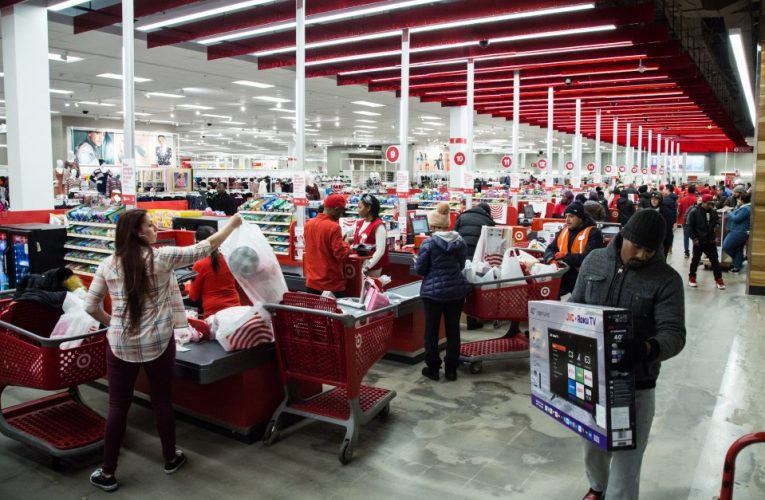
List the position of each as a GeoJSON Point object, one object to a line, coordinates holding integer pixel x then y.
{"type": "Point", "coordinates": [345, 319]}
{"type": "Point", "coordinates": [45, 341]}
{"type": "Point", "coordinates": [729, 469]}
{"type": "Point", "coordinates": [557, 274]}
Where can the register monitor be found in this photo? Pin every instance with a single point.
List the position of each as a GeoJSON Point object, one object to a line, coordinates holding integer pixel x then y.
{"type": "Point", "coordinates": [420, 224]}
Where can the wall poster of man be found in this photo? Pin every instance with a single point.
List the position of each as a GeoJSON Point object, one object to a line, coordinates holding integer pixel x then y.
{"type": "Point", "coordinates": [106, 147]}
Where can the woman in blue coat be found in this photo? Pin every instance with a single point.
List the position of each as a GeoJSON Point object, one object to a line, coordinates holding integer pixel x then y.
{"type": "Point", "coordinates": [739, 222]}
{"type": "Point", "coordinates": [440, 261]}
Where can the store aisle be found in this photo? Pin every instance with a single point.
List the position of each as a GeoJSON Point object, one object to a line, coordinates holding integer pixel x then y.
{"type": "Point", "coordinates": [476, 438]}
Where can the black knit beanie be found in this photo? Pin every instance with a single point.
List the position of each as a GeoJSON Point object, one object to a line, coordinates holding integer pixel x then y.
{"type": "Point", "coordinates": [646, 228]}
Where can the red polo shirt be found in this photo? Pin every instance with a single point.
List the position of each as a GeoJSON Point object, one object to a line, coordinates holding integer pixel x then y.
{"type": "Point", "coordinates": [325, 253]}
{"type": "Point", "coordinates": [216, 290]}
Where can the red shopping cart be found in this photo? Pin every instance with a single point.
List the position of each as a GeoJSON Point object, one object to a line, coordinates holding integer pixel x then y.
{"type": "Point", "coordinates": [317, 342]}
{"type": "Point", "coordinates": [60, 424]}
{"type": "Point", "coordinates": [729, 469]}
{"type": "Point", "coordinates": [506, 300]}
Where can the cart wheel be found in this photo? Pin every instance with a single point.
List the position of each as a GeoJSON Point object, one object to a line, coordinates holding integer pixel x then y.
{"type": "Point", "coordinates": [271, 433]}
{"type": "Point", "coordinates": [346, 452]}
{"type": "Point", "coordinates": [476, 367]}
{"type": "Point", "coordinates": [385, 412]}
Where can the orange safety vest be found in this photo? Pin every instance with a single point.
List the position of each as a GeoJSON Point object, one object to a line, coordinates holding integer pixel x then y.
{"type": "Point", "coordinates": [580, 240]}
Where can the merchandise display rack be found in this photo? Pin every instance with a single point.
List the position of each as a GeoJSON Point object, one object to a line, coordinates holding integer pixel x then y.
{"type": "Point", "coordinates": [274, 216]}
{"type": "Point", "coordinates": [90, 238]}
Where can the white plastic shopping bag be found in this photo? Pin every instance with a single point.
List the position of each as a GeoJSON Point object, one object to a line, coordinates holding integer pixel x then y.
{"type": "Point", "coordinates": [540, 268]}
{"type": "Point", "coordinates": [75, 321]}
{"type": "Point", "coordinates": [511, 268]}
{"type": "Point", "coordinates": [241, 327]}
{"type": "Point", "coordinates": [254, 265]}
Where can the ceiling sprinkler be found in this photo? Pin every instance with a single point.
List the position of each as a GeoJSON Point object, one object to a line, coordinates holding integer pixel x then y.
{"type": "Point", "coordinates": [641, 68]}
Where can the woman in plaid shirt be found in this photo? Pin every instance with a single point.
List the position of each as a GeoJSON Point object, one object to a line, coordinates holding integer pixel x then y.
{"type": "Point", "coordinates": [146, 307]}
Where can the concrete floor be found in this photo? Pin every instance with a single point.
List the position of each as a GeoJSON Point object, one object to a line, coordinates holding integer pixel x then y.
{"type": "Point", "coordinates": [476, 438]}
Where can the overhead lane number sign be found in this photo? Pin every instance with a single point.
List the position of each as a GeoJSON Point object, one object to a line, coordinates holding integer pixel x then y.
{"type": "Point", "coordinates": [393, 154]}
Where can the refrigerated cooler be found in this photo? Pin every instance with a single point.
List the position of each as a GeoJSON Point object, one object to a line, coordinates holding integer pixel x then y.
{"type": "Point", "coordinates": [30, 248]}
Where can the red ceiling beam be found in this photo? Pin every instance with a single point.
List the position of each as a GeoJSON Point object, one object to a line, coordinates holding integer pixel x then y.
{"type": "Point", "coordinates": [245, 19]}
{"type": "Point", "coordinates": [388, 21]}
{"type": "Point", "coordinates": [621, 16]}
{"type": "Point", "coordinates": [9, 3]}
{"type": "Point", "coordinates": [111, 15]}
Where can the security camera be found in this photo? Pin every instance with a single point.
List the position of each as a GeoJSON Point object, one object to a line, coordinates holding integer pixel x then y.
{"type": "Point", "coordinates": [209, 124]}
{"type": "Point", "coordinates": [483, 44]}
{"type": "Point", "coordinates": [85, 111]}
{"type": "Point", "coordinates": [540, 153]}
{"type": "Point", "coordinates": [567, 81]}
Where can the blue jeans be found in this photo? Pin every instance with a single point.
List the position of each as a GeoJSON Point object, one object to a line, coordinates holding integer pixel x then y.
{"type": "Point", "coordinates": [686, 239]}
{"type": "Point", "coordinates": [733, 245]}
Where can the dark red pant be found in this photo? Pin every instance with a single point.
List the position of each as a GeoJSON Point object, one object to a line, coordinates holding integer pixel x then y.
{"type": "Point", "coordinates": [122, 375]}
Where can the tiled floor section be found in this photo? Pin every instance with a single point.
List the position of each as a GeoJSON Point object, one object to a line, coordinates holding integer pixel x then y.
{"type": "Point", "coordinates": [474, 439]}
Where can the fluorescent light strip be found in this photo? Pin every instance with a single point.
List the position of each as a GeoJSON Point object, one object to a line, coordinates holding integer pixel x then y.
{"type": "Point", "coordinates": [222, 117]}
{"type": "Point", "coordinates": [369, 104]}
{"type": "Point", "coordinates": [330, 43]}
{"type": "Point", "coordinates": [60, 58]}
{"type": "Point", "coordinates": [737, 45]}
{"type": "Point", "coordinates": [202, 14]}
{"type": "Point", "coordinates": [257, 85]}
{"type": "Point", "coordinates": [367, 113]}
{"type": "Point", "coordinates": [268, 98]}
{"type": "Point", "coordinates": [57, 91]}
{"type": "Point", "coordinates": [165, 94]}
{"type": "Point", "coordinates": [195, 106]}
{"type": "Point", "coordinates": [94, 103]}
{"type": "Point", "coordinates": [317, 20]}
{"type": "Point", "coordinates": [136, 113]}
{"type": "Point", "coordinates": [361, 120]}
{"type": "Point", "coordinates": [282, 110]}
{"type": "Point", "coordinates": [115, 76]}
{"type": "Point", "coordinates": [65, 5]}
{"type": "Point", "coordinates": [370, 127]}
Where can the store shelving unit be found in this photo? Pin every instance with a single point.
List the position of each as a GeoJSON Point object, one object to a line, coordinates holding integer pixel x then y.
{"type": "Point", "coordinates": [275, 226]}
{"type": "Point", "coordinates": [88, 244]}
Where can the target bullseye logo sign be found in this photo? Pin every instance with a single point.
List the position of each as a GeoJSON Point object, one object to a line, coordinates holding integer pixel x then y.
{"type": "Point", "coordinates": [83, 361]}
{"type": "Point", "coordinates": [349, 270]}
{"type": "Point", "coordinates": [545, 291]}
{"type": "Point", "coordinates": [507, 161]}
{"type": "Point", "coordinates": [542, 164]}
{"type": "Point", "coordinates": [609, 169]}
{"type": "Point", "coordinates": [519, 236]}
{"type": "Point", "coordinates": [459, 158]}
{"type": "Point", "coordinates": [569, 165]}
{"type": "Point", "coordinates": [392, 154]}
{"type": "Point", "coordinates": [591, 167]}
{"type": "Point", "coordinates": [634, 169]}
{"type": "Point", "coordinates": [358, 341]}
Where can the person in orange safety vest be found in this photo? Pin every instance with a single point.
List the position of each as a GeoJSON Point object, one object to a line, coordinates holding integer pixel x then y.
{"type": "Point", "coordinates": [572, 244]}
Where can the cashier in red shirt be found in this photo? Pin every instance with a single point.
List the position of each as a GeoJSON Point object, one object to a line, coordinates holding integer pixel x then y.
{"type": "Point", "coordinates": [214, 285]}
{"type": "Point", "coordinates": [325, 249]}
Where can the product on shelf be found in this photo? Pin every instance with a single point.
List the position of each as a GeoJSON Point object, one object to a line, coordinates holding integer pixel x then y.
{"type": "Point", "coordinates": [90, 236]}
{"type": "Point", "coordinates": [274, 216]}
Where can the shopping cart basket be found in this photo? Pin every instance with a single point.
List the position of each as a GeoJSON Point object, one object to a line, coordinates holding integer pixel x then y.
{"type": "Point", "coordinates": [493, 301]}
{"type": "Point", "coordinates": [729, 469]}
{"type": "Point", "coordinates": [317, 342]}
{"type": "Point", "coordinates": [59, 424]}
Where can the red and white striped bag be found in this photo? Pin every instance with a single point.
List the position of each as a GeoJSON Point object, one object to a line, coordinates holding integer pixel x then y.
{"type": "Point", "coordinates": [241, 327]}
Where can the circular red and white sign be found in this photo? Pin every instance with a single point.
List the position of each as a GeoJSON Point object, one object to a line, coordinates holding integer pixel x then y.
{"type": "Point", "coordinates": [622, 168]}
{"type": "Point", "coordinates": [392, 154]}
{"type": "Point", "coordinates": [542, 164]}
{"type": "Point", "coordinates": [507, 162]}
{"type": "Point", "coordinates": [519, 236]}
{"type": "Point", "coordinates": [545, 292]}
{"type": "Point", "coordinates": [634, 169]}
{"type": "Point", "coordinates": [591, 167]}
{"type": "Point", "coordinates": [644, 171]}
{"type": "Point", "coordinates": [569, 165]}
{"type": "Point", "coordinates": [609, 169]}
{"type": "Point", "coordinates": [459, 158]}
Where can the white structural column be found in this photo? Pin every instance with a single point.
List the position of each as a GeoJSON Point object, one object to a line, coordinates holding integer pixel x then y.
{"type": "Point", "coordinates": [128, 101]}
{"type": "Point", "coordinates": [27, 106]}
{"type": "Point", "coordinates": [578, 145]}
{"type": "Point", "coordinates": [300, 102]}
{"type": "Point", "coordinates": [516, 119]}
{"type": "Point", "coordinates": [598, 165]}
{"type": "Point", "coordinates": [469, 124]}
{"type": "Point", "coordinates": [685, 167]}
{"type": "Point", "coordinates": [403, 133]}
{"type": "Point", "coordinates": [667, 160]}
{"type": "Point", "coordinates": [614, 145]}
{"type": "Point", "coordinates": [550, 117]}
{"type": "Point", "coordinates": [639, 157]}
{"type": "Point", "coordinates": [457, 139]}
{"type": "Point", "coordinates": [659, 160]}
{"type": "Point", "coordinates": [648, 155]}
{"type": "Point", "coordinates": [627, 159]}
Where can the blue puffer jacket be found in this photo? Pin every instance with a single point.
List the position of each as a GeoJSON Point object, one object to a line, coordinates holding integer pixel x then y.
{"type": "Point", "coordinates": [740, 218]}
{"type": "Point", "coordinates": [440, 261]}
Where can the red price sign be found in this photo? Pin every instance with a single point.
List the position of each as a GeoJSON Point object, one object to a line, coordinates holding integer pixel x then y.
{"type": "Point", "coordinates": [507, 162]}
{"type": "Point", "coordinates": [569, 165]}
{"type": "Point", "coordinates": [591, 167]}
{"type": "Point", "coordinates": [542, 164]}
{"type": "Point", "coordinates": [392, 154]}
{"type": "Point", "coordinates": [459, 158]}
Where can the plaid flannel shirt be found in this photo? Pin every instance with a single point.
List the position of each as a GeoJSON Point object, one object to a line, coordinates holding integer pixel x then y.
{"type": "Point", "coordinates": [161, 314]}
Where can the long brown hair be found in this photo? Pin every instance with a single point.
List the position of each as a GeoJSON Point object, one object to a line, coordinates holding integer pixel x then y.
{"type": "Point", "coordinates": [136, 263]}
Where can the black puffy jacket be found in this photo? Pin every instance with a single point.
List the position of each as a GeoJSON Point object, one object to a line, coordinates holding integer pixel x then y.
{"type": "Point", "coordinates": [440, 261]}
{"type": "Point", "coordinates": [626, 209]}
{"type": "Point", "coordinates": [469, 225]}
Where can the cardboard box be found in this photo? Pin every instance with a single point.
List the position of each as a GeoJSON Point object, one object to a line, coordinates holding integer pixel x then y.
{"type": "Point", "coordinates": [572, 349]}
